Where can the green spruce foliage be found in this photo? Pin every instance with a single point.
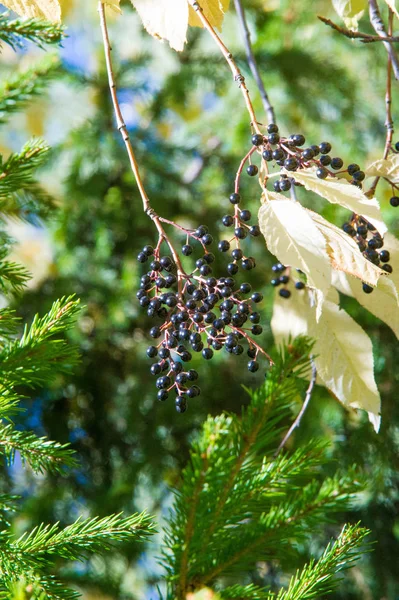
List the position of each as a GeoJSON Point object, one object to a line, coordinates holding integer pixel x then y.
{"type": "Point", "coordinates": [33, 359]}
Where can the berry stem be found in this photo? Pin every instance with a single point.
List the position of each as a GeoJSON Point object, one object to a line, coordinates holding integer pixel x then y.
{"type": "Point", "coordinates": [121, 125]}
{"type": "Point", "coordinates": [238, 76]}
{"type": "Point", "coordinates": [240, 169]}
{"type": "Point", "coordinates": [252, 342]}
{"type": "Point", "coordinates": [253, 65]}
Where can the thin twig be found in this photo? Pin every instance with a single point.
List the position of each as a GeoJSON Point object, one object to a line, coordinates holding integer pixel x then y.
{"type": "Point", "coordinates": [238, 76]}
{"type": "Point", "coordinates": [366, 38]}
{"type": "Point", "coordinates": [298, 419]}
{"type": "Point", "coordinates": [388, 95]}
{"type": "Point", "coordinates": [388, 108]}
{"type": "Point", "coordinates": [379, 27]}
{"type": "Point", "coordinates": [129, 148]}
{"type": "Point", "coordinates": [253, 65]}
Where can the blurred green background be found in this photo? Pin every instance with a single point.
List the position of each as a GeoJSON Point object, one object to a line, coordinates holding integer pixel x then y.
{"type": "Point", "coordinates": [190, 130]}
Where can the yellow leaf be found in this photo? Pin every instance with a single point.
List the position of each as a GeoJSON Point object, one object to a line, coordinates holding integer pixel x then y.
{"type": "Point", "coordinates": [388, 168]}
{"type": "Point", "coordinates": [114, 4]}
{"type": "Point", "coordinates": [344, 360]}
{"type": "Point", "coordinates": [43, 9]}
{"type": "Point", "coordinates": [213, 10]}
{"type": "Point", "coordinates": [292, 236]}
{"type": "Point", "coordinates": [339, 191]}
{"type": "Point", "coordinates": [344, 252]}
{"type": "Point", "coordinates": [350, 11]}
{"type": "Point", "coordinates": [165, 20]}
{"type": "Point", "coordinates": [392, 6]}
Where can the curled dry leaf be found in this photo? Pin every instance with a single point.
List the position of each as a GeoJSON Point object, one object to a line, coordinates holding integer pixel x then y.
{"type": "Point", "coordinates": [382, 303]}
{"type": "Point", "coordinates": [343, 351]}
{"type": "Point", "coordinates": [339, 191]}
{"type": "Point", "coordinates": [351, 11]}
{"type": "Point", "coordinates": [168, 19]}
{"type": "Point", "coordinates": [388, 168]}
{"type": "Point", "coordinates": [50, 10]}
{"type": "Point", "coordinates": [344, 252]}
{"type": "Point", "coordinates": [294, 239]}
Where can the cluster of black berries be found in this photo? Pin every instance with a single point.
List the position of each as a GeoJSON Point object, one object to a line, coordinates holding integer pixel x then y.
{"type": "Point", "coordinates": [370, 244]}
{"type": "Point", "coordinates": [290, 154]}
{"type": "Point", "coordinates": [199, 312]}
{"type": "Point", "coordinates": [282, 276]}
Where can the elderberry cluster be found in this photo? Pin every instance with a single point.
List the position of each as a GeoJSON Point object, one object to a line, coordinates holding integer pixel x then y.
{"type": "Point", "coordinates": [370, 244]}
{"type": "Point", "coordinates": [199, 312]}
{"type": "Point", "coordinates": [290, 154]}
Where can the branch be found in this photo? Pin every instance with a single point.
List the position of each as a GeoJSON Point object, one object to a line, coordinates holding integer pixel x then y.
{"type": "Point", "coordinates": [253, 65]}
{"type": "Point", "coordinates": [379, 27]}
{"type": "Point", "coordinates": [389, 124]}
{"type": "Point", "coordinates": [38, 31]}
{"type": "Point", "coordinates": [305, 404]}
{"type": "Point", "coordinates": [238, 76]}
{"type": "Point", "coordinates": [129, 148]}
{"type": "Point", "coordinates": [388, 95]}
{"type": "Point", "coordinates": [366, 38]}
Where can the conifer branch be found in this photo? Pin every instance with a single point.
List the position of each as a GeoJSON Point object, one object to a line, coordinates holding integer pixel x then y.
{"type": "Point", "coordinates": [13, 277]}
{"type": "Point", "coordinates": [23, 87]}
{"type": "Point", "coordinates": [40, 453]}
{"type": "Point", "coordinates": [38, 31]}
{"type": "Point", "coordinates": [16, 172]}
{"type": "Point", "coordinates": [315, 579]}
{"type": "Point", "coordinates": [231, 486]}
{"type": "Point", "coordinates": [37, 357]}
{"type": "Point", "coordinates": [8, 324]}
{"type": "Point", "coordinates": [29, 558]}
{"type": "Point", "coordinates": [75, 541]}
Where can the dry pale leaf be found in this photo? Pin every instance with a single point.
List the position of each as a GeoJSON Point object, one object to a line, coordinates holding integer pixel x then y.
{"type": "Point", "coordinates": [165, 20]}
{"type": "Point", "coordinates": [339, 191]}
{"type": "Point", "coordinates": [290, 316]}
{"type": "Point", "coordinates": [392, 245]}
{"type": "Point", "coordinates": [169, 19]}
{"type": "Point", "coordinates": [42, 9]}
{"type": "Point", "coordinates": [388, 168]}
{"type": "Point", "coordinates": [382, 302]}
{"type": "Point", "coordinates": [213, 10]}
{"type": "Point", "coordinates": [344, 252]}
{"type": "Point", "coordinates": [344, 360]}
{"type": "Point", "coordinates": [351, 11]}
{"type": "Point", "coordinates": [343, 351]}
{"type": "Point", "coordinates": [294, 239]}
